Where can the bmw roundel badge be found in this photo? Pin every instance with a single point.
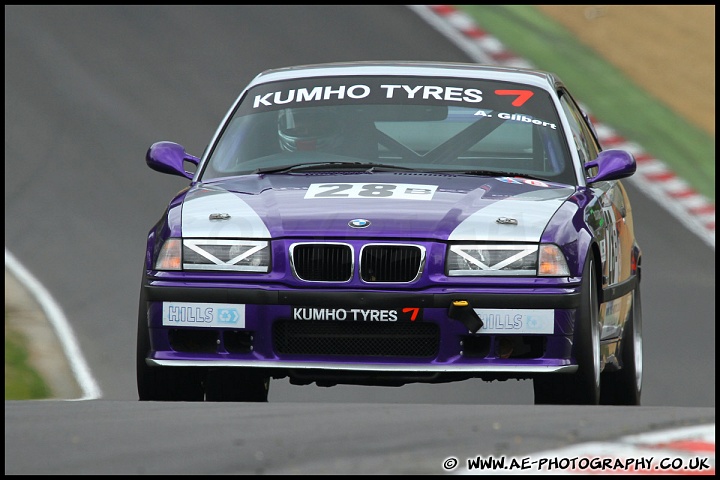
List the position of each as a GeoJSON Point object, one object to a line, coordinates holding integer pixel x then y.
{"type": "Point", "coordinates": [359, 223]}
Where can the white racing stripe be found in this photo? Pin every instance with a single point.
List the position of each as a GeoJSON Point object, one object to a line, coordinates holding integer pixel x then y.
{"type": "Point", "coordinates": [243, 221]}
{"type": "Point", "coordinates": [532, 210]}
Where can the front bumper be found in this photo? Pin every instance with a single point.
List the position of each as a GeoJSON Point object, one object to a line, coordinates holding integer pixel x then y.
{"type": "Point", "coordinates": [434, 348]}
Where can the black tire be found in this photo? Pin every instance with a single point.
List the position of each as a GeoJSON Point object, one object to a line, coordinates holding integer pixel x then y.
{"type": "Point", "coordinates": [624, 387]}
{"type": "Point", "coordinates": [162, 383]}
{"type": "Point", "coordinates": [582, 387]}
{"type": "Point", "coordinates": [236, 385]}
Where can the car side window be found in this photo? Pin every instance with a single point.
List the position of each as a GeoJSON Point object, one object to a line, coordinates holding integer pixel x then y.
{"type": "Point", "coordinates": [585, 141]}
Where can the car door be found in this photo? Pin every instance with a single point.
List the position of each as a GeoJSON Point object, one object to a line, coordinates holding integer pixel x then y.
{"type": "Point", "coordinates": [608, 214]}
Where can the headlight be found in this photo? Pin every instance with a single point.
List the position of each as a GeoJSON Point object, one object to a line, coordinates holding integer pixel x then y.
{"type": "Point", "coordinates": [506, 260]}
{"type": "Point", "coordinates": [215, 254]}
{"type": "Point", "coordinates": [552, 262]}
{"type": "Point", "coordinates": [170, 257]}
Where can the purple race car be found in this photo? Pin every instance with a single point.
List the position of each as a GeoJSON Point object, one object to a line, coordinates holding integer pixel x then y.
{"type": "Point", "coordinates": [382, 223]}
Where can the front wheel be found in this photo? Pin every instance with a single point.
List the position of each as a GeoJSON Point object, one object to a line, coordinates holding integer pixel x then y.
{"type": "Point", "coordinates": [582, 387]}
{"type": "Point", "coordinates": [624, 387]}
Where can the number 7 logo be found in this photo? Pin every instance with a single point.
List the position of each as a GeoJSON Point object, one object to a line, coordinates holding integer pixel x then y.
{"type": "Point", "coordinates": [414, 312]}
{"type": "Point", "coordinates": [522, 96]}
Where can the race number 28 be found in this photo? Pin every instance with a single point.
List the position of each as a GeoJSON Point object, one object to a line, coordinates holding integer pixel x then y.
{"type": "Point", "coordinates": [404, 191]}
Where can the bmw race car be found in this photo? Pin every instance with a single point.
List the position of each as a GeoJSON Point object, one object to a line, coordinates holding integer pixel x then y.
{"type": "Point", "coordinates": [383, 223]}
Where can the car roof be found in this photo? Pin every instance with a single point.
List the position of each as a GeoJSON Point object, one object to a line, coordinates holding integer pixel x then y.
{"type": "Point", "coordinates": [538, 78]}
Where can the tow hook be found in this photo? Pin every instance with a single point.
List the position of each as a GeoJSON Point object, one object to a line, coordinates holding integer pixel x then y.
{"type": "Point", "coordinates": [462, 311]}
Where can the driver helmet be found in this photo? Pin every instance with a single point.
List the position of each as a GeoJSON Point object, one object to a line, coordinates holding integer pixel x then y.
{"type": "Point", "coordinates": [317, 128]}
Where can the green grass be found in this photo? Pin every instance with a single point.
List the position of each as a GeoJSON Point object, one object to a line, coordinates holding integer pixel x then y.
{"type": "Point", "coordinates": [611, 97]}
{"type": "Point", "coordinates": [22, 381]}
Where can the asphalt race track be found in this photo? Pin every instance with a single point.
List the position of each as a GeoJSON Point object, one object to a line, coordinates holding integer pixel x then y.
{"type": "Point", "coordinates": [89, 89]}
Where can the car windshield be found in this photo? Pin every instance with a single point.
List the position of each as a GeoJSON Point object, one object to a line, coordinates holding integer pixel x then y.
{"type": "Point", "coordinates": [470, 126]}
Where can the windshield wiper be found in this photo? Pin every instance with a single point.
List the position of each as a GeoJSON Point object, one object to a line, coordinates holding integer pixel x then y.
{"type": "Point", "coordinates": [320, 166]}
{"type": "Point", "coordinates": [494, 173]}
{"type": "Point", "coordinates": [383, 167]}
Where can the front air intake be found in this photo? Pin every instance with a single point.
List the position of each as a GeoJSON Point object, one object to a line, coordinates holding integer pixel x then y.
{"type": "Point", "coordinates": [322, 262]}
{"type": "Point", "coordinates": [383, 263]}
{"type": "Point", "coordinates": [349, 339]}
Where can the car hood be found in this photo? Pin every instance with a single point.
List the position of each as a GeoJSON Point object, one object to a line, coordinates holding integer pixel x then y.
{"type": "Point", "coordinates": [390, 205]}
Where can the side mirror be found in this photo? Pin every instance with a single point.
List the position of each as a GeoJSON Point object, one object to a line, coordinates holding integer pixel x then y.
{"type": "Point", "coordinates": [612, 165]}
{"type": "Point", "coordinates": [169, 157]}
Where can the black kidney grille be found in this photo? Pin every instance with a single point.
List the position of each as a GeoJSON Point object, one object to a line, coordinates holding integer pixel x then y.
{"type": "Point", "coordinates": [318, 262]}
{"type": "Point", "coordinates": [390, 263]}
{"type": "Point", "coordinates": [356, 339]}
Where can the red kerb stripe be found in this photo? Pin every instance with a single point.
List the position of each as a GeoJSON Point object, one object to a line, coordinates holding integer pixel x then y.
{"type": "Point", "coordinates": [643, 157]}
{"type": "Point", "coordinates": [443, 9]}
{"type": "Point", "coordinates": [683, 193]}
{"type": "Point", "coordinates": [475, 33]}
{"type": "Point", "coordinates": [503, 56]}
{"type": "Point", "coordinates": [661, 177]}
{"type": "Point", "coordinates": [614, 140]}
{"type": "Point", "coordinates": [689, 445]}
{"type": "Point", "coordinates": [703, 210]}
